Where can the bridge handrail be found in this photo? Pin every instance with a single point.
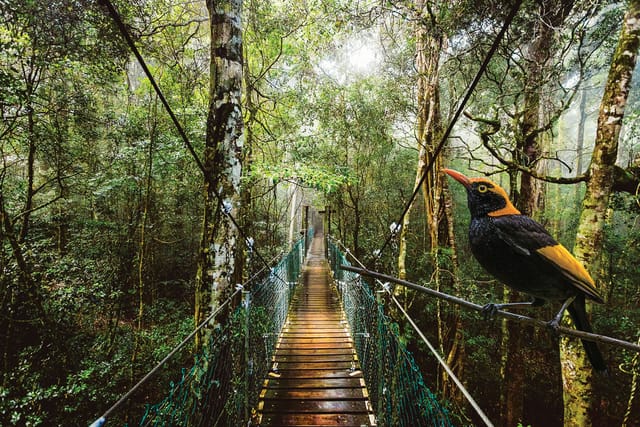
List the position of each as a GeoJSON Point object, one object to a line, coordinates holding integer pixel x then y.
{"type": "Point", "coordinates": [397, 390]}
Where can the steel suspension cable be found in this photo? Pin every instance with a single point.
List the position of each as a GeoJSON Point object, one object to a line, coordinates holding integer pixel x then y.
{"type": "Point", "coordinates": [207, 176]}
{"type": "Point", "coordinates": [456, 116]}
{"type": "Point", "coordinates": [562, 330]}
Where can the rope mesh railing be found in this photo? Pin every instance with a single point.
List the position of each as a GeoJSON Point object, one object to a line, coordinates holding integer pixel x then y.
{"type": "Point", "coordinates": [225, 380]}
{"type": "Point", "coordinates": [396, 387]}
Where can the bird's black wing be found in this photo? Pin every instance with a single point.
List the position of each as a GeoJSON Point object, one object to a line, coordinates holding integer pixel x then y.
{"type": "Point", "coordinates": [528, 237]}
{"type": "Point", "coordinates": [523, 233]}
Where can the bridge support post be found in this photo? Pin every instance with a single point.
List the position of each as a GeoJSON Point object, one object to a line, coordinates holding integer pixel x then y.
{"type": "Point", "coordinates": [246, 302]}
{"type": "Point", "coordinates": [306, 230]}
{"type": "Point", "coordinates": [380, 362]}
{"type": "Point", "coordinates": [327, 230]}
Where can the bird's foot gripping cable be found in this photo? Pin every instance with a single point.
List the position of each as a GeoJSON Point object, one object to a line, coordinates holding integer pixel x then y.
{"type": "Point", "coordinates": [553, 325]}
{"type": "Point", "coordinates": [490, 310]}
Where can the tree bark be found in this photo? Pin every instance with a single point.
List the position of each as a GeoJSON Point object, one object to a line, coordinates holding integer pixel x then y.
{"type": "Point", "coordinates": [580, 140]}
{"type": "Point", "coordinates": [30, 288]}
{"type": "Point", "coordinates": [430, 41]}
{"type": "Point", "coordinates": [31, 160]}
{"type": "Point", "coordinates": [529, 198]}
{"type": "Point", "coordinates": [222, 159]}
{"type": "Point", "coordinates": [576, 371]}
{"type": "Point", "coordinates": [552, 15]}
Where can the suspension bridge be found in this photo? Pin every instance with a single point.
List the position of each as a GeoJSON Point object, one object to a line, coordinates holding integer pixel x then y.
{"type": "Point", "coordinates": [310, 345]}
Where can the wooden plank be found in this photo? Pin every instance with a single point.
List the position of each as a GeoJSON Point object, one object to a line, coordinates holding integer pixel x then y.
{"type": "Point", "coordinates": [315, 406]}
{"type": "Point", "coordinates": [313, 358]}
{"type": "Point", "coordinates": [316, 364]}
{"type": "Point", "coordinates": [313, 330]}
{"type": "Point", "coordinates": [297, 383]}
{"type": "Point", "coordinates": [311, 346]}
{"type": "Point", "coordinates": [315, 351]}
{"type": "Point", "coordinates": [319, 374]}
{"type": "Point", "coordinates": [314, 393]}
{"type": "Point", "coordinates": [314, 340]}
{"type": "Point", "coordinates": [314, 420]}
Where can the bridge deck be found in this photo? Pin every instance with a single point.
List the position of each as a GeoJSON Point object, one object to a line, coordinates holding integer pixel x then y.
{"type": "Point", "coordinates": [315, 379]}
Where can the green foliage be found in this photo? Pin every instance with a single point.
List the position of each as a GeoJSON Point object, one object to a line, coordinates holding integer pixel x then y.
{"type": "Point", "coordinates": [70, 91]}
{"type": "Point", "coordinates": [308, 175]}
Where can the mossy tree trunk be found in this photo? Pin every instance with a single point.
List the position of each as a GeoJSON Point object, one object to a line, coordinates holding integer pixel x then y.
{"type": "Point", "coordinates": [222, 159]}
{"type": "Point", "coordinates": [576, 370]}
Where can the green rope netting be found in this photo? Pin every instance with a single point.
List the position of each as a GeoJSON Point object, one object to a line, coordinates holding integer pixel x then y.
{"type": "Point", "coordinates": [396, 387]}
{"type": "Point", "coordinates": [224, 383]}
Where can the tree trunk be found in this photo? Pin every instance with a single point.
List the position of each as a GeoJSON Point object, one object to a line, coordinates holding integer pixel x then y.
{"type": "Point", "coordinates": [429, 45]}
{"type": "Point", "coordinates": [246, 221]}
{"type": "Point", "coordinates": [552, 15]}
{"type": "Point", "coordinates": [143, 244]}
{"type": "Point", "coordinates": [31, 160]}
{"type": "Point", "coordinates": [576, 371]}
{"type": "Point", "coordinates": [294, 189]}
{"type": "Point", "coordinates": [428, 49]}
{"type": "Point", "coordinates": [30, 287]}
{"type": "Point", "coordinates": [528, 199]}
{"type": "Point", "coordinates": [222, 159]}
{"type": "Point", "coordinates": [457, 352]}
{"type": "Point", "coordinates": [357, 220]}
{"type": "Point", "coordinates": [580, 138]}
{"type": "Point", "coordinates": [515, 336]}
{"type": "Point", "coordinates": [580, 141]}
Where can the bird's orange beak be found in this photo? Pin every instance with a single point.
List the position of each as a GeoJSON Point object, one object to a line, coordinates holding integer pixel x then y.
{"type": "Point", "coordinates": [462, 179]}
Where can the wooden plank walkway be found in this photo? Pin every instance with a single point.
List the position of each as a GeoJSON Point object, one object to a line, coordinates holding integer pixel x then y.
{"type": "Point", "coordinates": [315, 378]}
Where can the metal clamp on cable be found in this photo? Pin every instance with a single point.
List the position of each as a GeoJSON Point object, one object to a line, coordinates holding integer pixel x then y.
{"type": "Point", "coordinates": [386, 287]}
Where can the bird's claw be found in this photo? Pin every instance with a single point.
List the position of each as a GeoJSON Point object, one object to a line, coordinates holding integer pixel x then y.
{"type": "Point", "coordinates": [490, 310]}
{"type": "Point", "coordinates": [554, 325]}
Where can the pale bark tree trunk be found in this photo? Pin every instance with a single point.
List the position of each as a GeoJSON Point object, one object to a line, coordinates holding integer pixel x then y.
{"type": "Point", "coordinates": [576, 370]}
{"type": "Point", "coordinates": [222, 159]}
{"type": "Point", "coordinates": [580, 138]}
{"type": "Point", "coordinates": [293, 213]}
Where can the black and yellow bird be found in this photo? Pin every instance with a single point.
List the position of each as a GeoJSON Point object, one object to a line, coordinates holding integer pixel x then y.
{"type": "Point", "coordinates": [519, 252]}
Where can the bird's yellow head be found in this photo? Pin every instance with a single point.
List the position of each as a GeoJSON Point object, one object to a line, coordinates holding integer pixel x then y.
{"type": "Point", "coordinates": [484, 197]}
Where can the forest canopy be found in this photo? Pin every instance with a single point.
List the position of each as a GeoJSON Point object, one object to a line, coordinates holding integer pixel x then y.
{"type": "Point", "coordinates": [108, 226]}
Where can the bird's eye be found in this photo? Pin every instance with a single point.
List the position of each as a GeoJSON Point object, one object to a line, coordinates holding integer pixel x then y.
{"type": "Point", "coordinates": [482, 188]}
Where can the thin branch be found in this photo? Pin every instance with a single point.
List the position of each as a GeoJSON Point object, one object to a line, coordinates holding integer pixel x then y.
{"type": "Point", "coordinates": [37, 208]}
{"type": "Point", "coordinates": [495, 127]}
